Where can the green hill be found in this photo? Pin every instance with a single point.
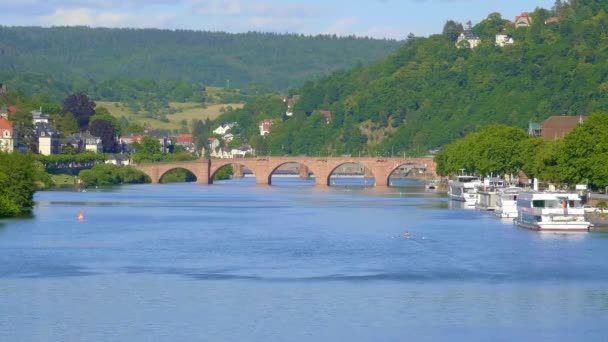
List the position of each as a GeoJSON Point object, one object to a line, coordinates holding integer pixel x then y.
{"type": "Point", "coordinates": [82, 57]}
{"type": "Point", "coordinates": [430, 92]}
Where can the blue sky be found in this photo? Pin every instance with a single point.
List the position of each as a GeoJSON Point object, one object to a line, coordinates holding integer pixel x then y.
{"type": "Point", "coordinates": [375, 18]}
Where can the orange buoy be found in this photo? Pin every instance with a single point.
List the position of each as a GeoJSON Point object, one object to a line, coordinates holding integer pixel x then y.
{"type": "Point", "coordinates": [80, 216]}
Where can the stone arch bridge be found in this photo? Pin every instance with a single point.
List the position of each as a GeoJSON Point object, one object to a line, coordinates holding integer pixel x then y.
{"type": "Point", "coordinates": [263, 167]}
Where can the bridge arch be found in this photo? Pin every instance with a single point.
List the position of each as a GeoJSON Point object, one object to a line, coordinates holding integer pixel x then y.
{"type": "Point", "coordinates": [409, 169]}
{"type": "Point", "coordinates": [169, 170]}
{"type": "Point", "coordinates": [365, 169]}
{"type": "Point", "coordinates": [234, 163]}
{"type": "Point", "coordinates": [303, 169]}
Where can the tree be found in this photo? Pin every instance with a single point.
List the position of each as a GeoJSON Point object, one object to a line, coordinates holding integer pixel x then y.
{"type": "Point", "coordinates": [106, 131]}
{"type": "Point", "coordinates": [81, 106]}
{"type": "Point", "coordinates": [451, 30]}
{"type": "Point", "coordinates": [22, 123]}
{"type": "Point", "coordinates": [492, 150]}
{"type": "Point", "coordinates": [148, 150]}
{"type": "Point", "coordinates": [17, 181]}
{"type": "Point", "coordinates": [586, 151]}
{"type": "Point", "coordinates": [67, 124]}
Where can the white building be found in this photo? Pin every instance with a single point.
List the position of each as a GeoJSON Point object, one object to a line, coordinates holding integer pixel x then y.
{"type": "Point", "coordinates": [467, 36]}
{"type": "Point", "coordinates": [265, 127]}
{"type": "Point", "coordinates": [228, 137]}
{"type": "Point", "coordinates": [242, 151]}
{"type": "Point", "coordinates": [7, 136]}
{"type": "Point", "coordinates": [224, 128]}
{"type": "Point", "coordinates": [48, 139]}
{"type": "Point", "coordinates": [118, 160]}
{"type": "Point", "coordinates": [213, 143]}
{"type": "Point", "coordinates": [523, 20]}
{"type": "Point", "coordinates": [39, 117]}
{"type": "Point", "coordinates": [503, 40]}
{"type": "Point", "coordinates": [221, 154]}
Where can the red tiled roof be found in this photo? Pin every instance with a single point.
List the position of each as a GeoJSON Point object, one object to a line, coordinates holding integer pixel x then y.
{"type": "Point", "coordinates": [326, 114]}
{"type": "Point", "coordinates": [12, 109]}
{"type": "Point", "coordinates": [551, 20]}
{"type": "Point", "coordinates": [557, 127]}
{"type": "Point", "coordinates": [6, 125]}
{"type": "Point", "coordinates": [184, 138]}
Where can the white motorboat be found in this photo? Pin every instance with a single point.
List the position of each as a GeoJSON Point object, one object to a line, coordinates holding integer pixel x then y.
{"type": "Point", "coordinates": [551, 211]}
{"type": "Point", "coordinates": [464, 189]}
{"type": "Point", "coordinates": [506, 202]}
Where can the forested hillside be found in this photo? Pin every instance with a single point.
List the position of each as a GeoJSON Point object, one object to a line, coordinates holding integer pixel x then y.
{"type": "Point", "coordinates": [82, 58]}
{"type": "Point", "coordinates": [430, 92]}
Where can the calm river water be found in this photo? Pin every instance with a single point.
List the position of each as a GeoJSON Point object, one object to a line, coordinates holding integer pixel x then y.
{"type": "Point", "coordinates": [291, 262]}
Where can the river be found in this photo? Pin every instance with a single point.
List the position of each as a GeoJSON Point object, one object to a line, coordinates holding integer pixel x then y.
{"type": "Point", "coordinates": [292, 262]}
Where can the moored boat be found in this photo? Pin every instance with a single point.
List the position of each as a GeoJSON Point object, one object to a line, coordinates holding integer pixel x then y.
{"type": "Point", "coordinates": [506, 202]}
{"type": "Point", "coordinates": [464, 189]}
{"type": "Point", "coordinates": [551, 211]}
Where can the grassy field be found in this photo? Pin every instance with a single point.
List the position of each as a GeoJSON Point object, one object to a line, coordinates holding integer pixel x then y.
{"type": "Point", "coordinates": [62, 180]}
{"type": "Point", "coordinates": [186, 111]}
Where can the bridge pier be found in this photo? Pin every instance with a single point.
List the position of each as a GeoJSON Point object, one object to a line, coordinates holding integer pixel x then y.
{"type": "Point", "coordinates": [237, 170]}
{"type": "Point", "coordinates": [303, 170]}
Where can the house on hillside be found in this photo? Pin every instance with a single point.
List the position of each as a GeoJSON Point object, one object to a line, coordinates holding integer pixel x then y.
{"type": "Point", "coordinates": [503, 40]}
{"type": "Point", "coordinates": [471, 39]}
{"type": "Point", "coordinates": [3, 89]}
{"type": "Point", "coordinates": [534, 129]}
{"type": "Point", "coordinates": [228, 137]}
{"type": "Point", "coordinates": [291, 102]}
{"type": "Point", "coordinates": [84, 141]}
{"type": "Point", "coordinates": [213, 143]}
{"type": "Point", "coordinates": [185, 141]}
{"type": "Point", "coordinates": [8, 138]}
{"type": "Point", "coordinates": [265, 127]}
{"type": "Point", "coordinates": [49, 141]}
{"type": "Point", "coordinates": [224, 128]}
{"type": "Point", "coordinates": [118, 160]}
{"type": "Point", "coordinates": [523, 20]}
{"type": "Point", "coordinates": [39, 117]}
{"type": "Point", "coordinates": [551, 20]}
{"type": "Point", "coordinates": [327, 115]}
{"type": "Point", "coordinates": [557, 127]}
{"type": "Point", "coordinates": [221, 154]}
{"type": "Point", "coordinates": [163, 139]}
{"type": "Point", "coordinates": [242, 151]}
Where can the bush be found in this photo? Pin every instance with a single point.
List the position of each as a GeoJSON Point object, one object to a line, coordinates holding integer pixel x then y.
{"type": "Point", "coordinates": [110, 174]}
{"type": "Point", "coordinates": [17, 184]}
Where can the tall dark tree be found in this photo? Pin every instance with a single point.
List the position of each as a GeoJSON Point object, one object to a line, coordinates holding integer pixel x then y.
{"type": "Point", "coordinates": [106, 131]}
{"type": "Point", "coordinates": [81, 106]}
{"type": "Point", "coordinates": [451, 30]}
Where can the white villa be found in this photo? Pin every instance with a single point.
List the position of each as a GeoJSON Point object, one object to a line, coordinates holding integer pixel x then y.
{"type": "Point", "coordinates": [467, 36]}
{"type": "Point", "coordinates": [503, 40]}
{"type": "Point", "coordinates": [224, 128]}
{"type": "Point", "coordinates": [8, 137]}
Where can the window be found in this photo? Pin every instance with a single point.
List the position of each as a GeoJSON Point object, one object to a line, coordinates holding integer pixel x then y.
{"type": "Point", "coordinates": [538, 204]}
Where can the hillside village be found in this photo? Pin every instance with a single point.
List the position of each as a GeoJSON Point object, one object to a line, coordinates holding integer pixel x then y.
{"type": "Point", "coordinates": [227, 138]}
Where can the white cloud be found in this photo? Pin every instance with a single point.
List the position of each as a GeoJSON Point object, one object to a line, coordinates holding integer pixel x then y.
{"type": "Point", "coordinates": [342, 26]}
{"type": "Point", "coordinates": [94, 18]}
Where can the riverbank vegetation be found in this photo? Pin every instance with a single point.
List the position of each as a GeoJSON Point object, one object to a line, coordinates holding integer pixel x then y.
{"type": "Point", "coordinates": [18, 176]}
{"type": "Point", "coordinates": [109, 174]}
{"type": "Point", "coordinates": [578, 158]}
